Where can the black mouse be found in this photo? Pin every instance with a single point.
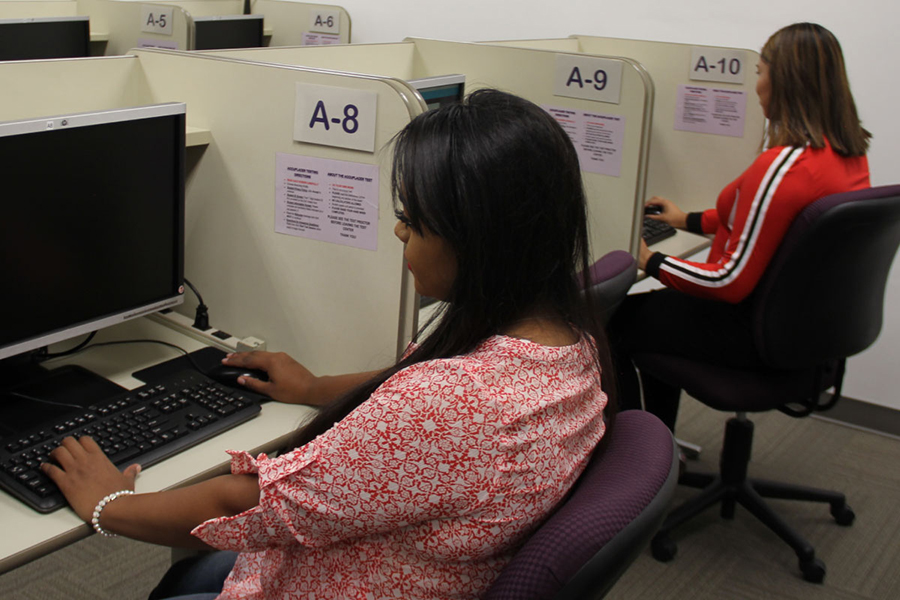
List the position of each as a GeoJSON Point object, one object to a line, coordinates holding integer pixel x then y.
{"type": "Point", "coordinates": [653, 209]}
{"type": "Point", "coordinates": [228, 375]}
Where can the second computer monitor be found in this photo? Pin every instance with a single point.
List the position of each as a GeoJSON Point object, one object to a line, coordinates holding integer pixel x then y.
{"type": "Point", "coordinates": [440, 90]}
{"type": "Point", "coordinates": [229, 31]}
{"type": "Point", "coordinates": [56, 37]}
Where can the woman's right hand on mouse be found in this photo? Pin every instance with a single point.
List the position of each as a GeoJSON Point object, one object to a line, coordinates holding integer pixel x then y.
{"type": "Point", "coordinates": [669, 212]}
{"type": "Point", "coordinates": [289, 381]}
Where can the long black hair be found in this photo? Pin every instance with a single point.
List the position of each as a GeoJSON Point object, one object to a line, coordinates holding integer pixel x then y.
{"type": "Point", "coordinates": [497, 178]}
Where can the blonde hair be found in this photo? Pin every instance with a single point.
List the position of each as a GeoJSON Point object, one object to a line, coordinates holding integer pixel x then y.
{"type": "Point", "coordinates": [810, 98]}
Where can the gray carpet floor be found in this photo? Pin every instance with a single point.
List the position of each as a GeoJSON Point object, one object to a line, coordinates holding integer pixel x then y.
{"type": "Point", "coordinates": [717, 559]}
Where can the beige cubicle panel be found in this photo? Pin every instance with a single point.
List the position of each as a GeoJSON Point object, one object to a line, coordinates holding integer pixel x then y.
{"type": "Point", "coordinates": [53, 87]}
{"type": "Point", "coordinates": [613, 200]}
{"type": "Point", "coordinates": [35, 9]}
{"type": "Point", "coordinates": [25, 9]}
{"type": "Point", "coordinates": [286, 23]}
{"type": "Point", "coordinates": [335, 308]}
{"type": "Point", "coordinates": [123, 25]}
{"type": "Point", "coordinates": [687, 167]}
{"type": "Point", "coordinates": [302, 24]}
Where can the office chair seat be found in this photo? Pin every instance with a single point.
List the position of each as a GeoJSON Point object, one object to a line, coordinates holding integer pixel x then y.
{"type": "Point", "coordinates": [610, 516]}
{"type": "Point", "coordinates": [819, 301]}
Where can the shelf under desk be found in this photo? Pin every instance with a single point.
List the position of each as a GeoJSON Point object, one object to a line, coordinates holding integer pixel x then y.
{"type": "Point", "coordinates": [29, 535]}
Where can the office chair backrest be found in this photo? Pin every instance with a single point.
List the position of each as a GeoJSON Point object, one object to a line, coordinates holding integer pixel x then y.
{"type": "Point", "coordinates": [615, 508]}
{"type": "Point", "coordinates": [821, 298]}
{"type": "Point", "coordinates": [611, 277]}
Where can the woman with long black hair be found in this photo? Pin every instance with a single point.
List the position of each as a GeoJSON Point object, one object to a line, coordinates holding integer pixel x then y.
{"type": "Point", "coordinates": [420, 480]}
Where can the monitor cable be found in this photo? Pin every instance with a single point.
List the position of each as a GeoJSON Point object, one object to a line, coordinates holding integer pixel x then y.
{"type": "Point", "coordinates": [41, 354]}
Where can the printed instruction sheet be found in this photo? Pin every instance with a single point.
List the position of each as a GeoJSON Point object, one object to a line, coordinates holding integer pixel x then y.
{"type": "Point", "coordinates": [598, 138]}
{"type": "Point", "coordinates": [710, 110]}
{"type": "Point", "coordinates": [327, 200]}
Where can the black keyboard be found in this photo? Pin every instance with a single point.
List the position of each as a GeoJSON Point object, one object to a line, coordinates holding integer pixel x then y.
{"type": "Point", "coordinates": [656, 231]}
{"type": "Point", "coordinates": [144, 426]}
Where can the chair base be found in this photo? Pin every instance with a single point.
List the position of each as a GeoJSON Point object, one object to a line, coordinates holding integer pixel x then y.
{"type": "Point", "coordinates": [732, 486]}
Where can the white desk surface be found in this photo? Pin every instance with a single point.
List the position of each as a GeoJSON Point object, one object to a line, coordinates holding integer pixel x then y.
{"type": "Point", "coordinates": [29, 535]}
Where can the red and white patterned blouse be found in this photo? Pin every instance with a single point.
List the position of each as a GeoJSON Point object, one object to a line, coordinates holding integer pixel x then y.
{"type": "Point", "coordinates": [427, 488]}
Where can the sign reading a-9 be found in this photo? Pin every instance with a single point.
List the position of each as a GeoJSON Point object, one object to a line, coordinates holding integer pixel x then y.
{"type": "Point", "coordinates": [335, 116]}
{"type": "Point", "coordinates": [587, 77]}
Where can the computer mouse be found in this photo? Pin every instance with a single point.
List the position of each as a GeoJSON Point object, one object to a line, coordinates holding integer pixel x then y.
{"type": "Point", "coordinates": [228, 375]}
{"type": "Point", "coordinates": [653, 209]}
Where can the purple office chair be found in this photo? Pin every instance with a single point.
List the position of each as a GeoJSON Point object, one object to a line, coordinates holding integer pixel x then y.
{"type": "Point", "coordinates": [820, 301]}
{"type": "Point", "coordinates": [611, 277]}
{"type": "Point", "coordinates": [610, 516]}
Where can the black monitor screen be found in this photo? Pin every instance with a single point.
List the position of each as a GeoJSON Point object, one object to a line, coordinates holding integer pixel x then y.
{"type": "Point", "coordinates": [92, 222]}
{"type": "Point", "coordinates": [233, 31]}
{"type": "Point", "coordinates": [28, 39]}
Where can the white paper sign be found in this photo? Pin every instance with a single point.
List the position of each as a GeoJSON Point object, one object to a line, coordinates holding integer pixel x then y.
{"type": "Point", "coordinates": [156, 19]}
{"type": "Point", "coordinates": [335, 116]}
{"type": "Point", "coordinates": [718, 64]}
{"type": "Point", "coordinates": [320, 39]}
{"type": "Point", "coordinates": [710, 110]}
{"type": "Point", "coordinates": [598, 138]}
{"type": "Point", "coordinates": [148, 43]}
{"type": "Point", "coordinates": [589, 78]}
{"type": "Point", "coordinates": [327, 200]}
{"type": "Point", "coordinates": [325, 21]}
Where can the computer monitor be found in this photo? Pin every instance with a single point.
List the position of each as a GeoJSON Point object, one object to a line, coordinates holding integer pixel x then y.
{"type": "Point", "coordinates": [229, 31]}
{"type": "Point", "coordinates": [56, 37]}
{"type": "Point", "coordinates": [440, 90]}
{"type": "Point", "coordinates": [92, 225]}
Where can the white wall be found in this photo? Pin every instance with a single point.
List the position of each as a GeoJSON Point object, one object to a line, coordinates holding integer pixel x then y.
{"type": "Point", "coordinates": [866, 29]}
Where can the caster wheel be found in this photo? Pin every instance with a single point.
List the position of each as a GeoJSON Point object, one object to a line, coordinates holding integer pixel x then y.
{"type": "Point", "coordinates": [813, 570]}
{"type": "Point", "coordinates": [663, 548]}
{"type": "Point", "coordinates": [843, 515]}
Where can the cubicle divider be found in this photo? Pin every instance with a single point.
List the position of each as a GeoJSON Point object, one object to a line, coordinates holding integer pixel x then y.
{"type": "Point", "coordinates": [610, 124]}
{"type": "Point", "coordinates": [127, 25]}
{"type": "Point", "coordinates": [707, 123]}
{"type": "Point", "coordinates": [286, 23]}
{"type": "Point", "coordinates": [117, 26]}
{"type": "Point", "coordinates": [137, 24]}
{"type": "Point", "coordinates": [318, 275]}
{"type": "Point", "coordinates": [29, 9]}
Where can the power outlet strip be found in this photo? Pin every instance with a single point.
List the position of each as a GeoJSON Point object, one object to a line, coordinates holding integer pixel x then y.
{"type": "Point", "coordinates": [212, 337]}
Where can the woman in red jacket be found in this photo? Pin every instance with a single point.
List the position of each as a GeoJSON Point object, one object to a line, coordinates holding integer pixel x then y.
{"type": "Point", "coordinates": [815, 146]}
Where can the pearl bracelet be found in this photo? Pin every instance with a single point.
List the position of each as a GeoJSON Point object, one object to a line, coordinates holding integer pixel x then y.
{"type": "Point", "coordinates": [95, 521]}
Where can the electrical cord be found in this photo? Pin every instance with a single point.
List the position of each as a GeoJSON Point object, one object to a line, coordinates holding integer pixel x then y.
{"type": "Point", "coordinates": [201, 316]}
